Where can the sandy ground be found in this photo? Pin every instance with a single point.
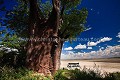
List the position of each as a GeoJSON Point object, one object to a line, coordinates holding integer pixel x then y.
{"type": "Point", "coordinates": [104, 65]}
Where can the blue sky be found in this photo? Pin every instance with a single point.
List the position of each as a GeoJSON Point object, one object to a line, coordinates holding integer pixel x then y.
{"type": "Point", "coordinates": [103, 37]}
{"type": "Point", "coordinates": [104, 23]}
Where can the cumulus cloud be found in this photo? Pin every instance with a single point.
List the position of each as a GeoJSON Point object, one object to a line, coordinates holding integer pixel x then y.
{"type": "Point", "coordinates": [110, 51]}
{"type": "Point", "coordinates": [99, 41]}
{"type": "Point", "coordinates": [70, 52]}
{"type": "Point", "coordinates": [118, 35]}
{"type": "Point", "coordinates": [89, 48]}
{"type": "Point", "coordinates": [80, 46]}
{"type": "Point", "coordinates": [92, 43]}
{"type": "Point", "coordinates": [102, 48]}
{"type": "Point", "coordinates": [69, 48]}
{"type": "Point", "coordinates": [119, 41]}
{"type": "Point", "coordinates": [104, 39]}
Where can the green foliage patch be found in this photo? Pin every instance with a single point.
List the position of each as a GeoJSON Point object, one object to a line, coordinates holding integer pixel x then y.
{"type": "Point", "coordinates": [85, 74]}
{"type": "Point", "coordinates": [21, 73]}
{"type": "Point", "coordinates": [9, 73]}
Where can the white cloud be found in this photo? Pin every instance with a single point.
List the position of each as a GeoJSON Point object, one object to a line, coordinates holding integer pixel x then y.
{"type": "Point", "coordinates": [88, 29]}
{"type": "Point", "coordinates": [110, 51]}
{"type": "Point", "coordinates": [119, 41]}
{"type": "Point", "coordinates": [80, 46]}
{"type": "Point", "coordinates": [69, 48]}
{"type": "Point", "coordinates": [104, 39]}
{"type": "Point", "coordinates": [118, 35]}
{"type": "Point", "coordinates": [101, 40]}
{"type": "Point", "coordinates": [109, 46]}
{"type": "Point", "coordinates": [70, 52]}
{"type": "Point", "coordinates": [89, 48]}
{"type": "Point", "coordinates": [102, 48]}
{"type": "Point", "coordinates": [92, 43]}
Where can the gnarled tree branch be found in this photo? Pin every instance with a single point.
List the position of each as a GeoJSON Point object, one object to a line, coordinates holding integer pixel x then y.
{"type": "Point", "coordinates": [53, 20]}
{"type": "Point", "coordinates": [33, 10]}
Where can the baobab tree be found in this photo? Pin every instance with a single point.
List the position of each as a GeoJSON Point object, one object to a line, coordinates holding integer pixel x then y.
{"type": "Point", "coordinates": [46, 25]}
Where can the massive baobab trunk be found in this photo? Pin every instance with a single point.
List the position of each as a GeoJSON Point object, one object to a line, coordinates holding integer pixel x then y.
{"type": "Point", "coordinates": [44, 45]}
{"type": "Point", "coordinates": [44, 56]}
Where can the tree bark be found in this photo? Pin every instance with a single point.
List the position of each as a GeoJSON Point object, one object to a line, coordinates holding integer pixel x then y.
{"type": "Point", "coordinates": [44, 44]}
{"type": "Point", "coordinates": [44, 56]}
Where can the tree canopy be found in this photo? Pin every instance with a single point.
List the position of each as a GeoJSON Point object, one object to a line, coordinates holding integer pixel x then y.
{"type": "Point", "coordinates": [73, 18]}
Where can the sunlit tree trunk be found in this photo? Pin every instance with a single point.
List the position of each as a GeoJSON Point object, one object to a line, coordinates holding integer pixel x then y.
{"type": "Point", "coordinates": [44, 56]}
{"type": "Point", "coordinates": [44, 44]}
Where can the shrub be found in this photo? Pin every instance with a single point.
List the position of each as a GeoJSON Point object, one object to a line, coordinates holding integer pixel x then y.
{"type": "Point", "coordinates": [85, 74]}
{"type": "Point", "coordinates": [9, 73]}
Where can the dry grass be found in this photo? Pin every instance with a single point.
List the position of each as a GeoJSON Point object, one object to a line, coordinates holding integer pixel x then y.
{"type": "Point", "coordinates": [105, 65]}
